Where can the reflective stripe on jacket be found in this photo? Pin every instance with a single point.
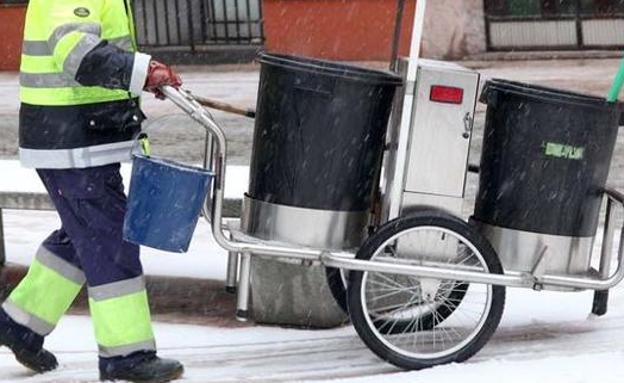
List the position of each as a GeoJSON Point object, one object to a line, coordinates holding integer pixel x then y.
{"type": "Point", "coordinates": [80, 80]}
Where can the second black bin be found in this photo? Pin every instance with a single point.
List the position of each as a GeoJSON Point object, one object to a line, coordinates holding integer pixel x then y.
{"type": "Point", "coordinates": [318, 145]}
{"type": "Point", "coordinates": [546, 157]}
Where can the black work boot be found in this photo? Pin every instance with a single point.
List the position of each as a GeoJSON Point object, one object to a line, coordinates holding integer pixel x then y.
{"type": "Point", "coordinates": [26, 345]}
{"type": "Point", "coordinates": [148, 369]}
{"type": "Point", "coordinates": [40, 361]}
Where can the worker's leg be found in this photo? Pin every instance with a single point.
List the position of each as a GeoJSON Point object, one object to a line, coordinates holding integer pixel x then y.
{"type": "Point", "coordinates": [36, 305]}
{"type": "Point", "coordinates": [44, 295]}
{"type": "Point", "coordinates": [93, 216]}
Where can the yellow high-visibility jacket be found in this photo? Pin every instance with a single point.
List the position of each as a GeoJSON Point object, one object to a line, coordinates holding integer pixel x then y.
{"type": "Point", "coordinates": [80, 80]}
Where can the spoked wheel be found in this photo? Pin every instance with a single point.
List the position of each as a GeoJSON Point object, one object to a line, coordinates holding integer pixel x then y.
{"type": "Point", "coordinates": [415, 322]}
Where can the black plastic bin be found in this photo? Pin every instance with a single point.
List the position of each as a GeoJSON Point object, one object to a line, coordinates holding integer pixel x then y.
{"type": "Point", "coordinates": [546, 157]}
{"type": "Point", "coordinates": [319, 132]}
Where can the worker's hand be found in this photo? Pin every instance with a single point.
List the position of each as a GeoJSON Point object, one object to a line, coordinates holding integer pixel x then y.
{"type": "Point", "coordinates": [158, 75]}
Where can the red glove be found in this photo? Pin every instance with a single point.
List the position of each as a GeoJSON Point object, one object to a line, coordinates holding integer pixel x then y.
{"type": "Point", "coordinates": [159, 74]}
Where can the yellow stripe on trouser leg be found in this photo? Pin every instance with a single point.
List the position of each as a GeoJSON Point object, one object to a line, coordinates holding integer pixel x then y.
{"type": "Point", "coordinates": [43, 296]}
{"type": "Point", "coordinates": [122, 324]}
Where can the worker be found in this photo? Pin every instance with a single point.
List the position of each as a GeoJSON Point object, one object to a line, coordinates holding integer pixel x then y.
{"type": "Point", "coordinates": [80, 82]}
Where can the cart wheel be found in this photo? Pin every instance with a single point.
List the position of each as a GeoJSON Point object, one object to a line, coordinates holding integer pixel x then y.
{"type": "Point", "coordinates": [398, 316]}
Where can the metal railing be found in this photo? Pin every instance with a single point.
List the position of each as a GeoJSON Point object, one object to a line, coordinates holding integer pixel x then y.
{"type": "Point", "coordinates": [194, 23]}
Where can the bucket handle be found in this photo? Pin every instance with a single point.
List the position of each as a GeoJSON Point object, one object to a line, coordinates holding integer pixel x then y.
{"type": "Point", "coordinates": [213, 206]}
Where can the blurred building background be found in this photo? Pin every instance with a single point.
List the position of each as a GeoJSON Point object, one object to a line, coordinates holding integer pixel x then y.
{"type": "Point", "coordinates": [219, 31]}
{"type": "Point", "coordinates": [554, 24]}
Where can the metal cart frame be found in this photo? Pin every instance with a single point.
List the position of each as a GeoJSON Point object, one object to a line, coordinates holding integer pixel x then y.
{"type": "Point", "coordinates": [213, 209]}
{"type": "Point", "coordinates": [242, 247]}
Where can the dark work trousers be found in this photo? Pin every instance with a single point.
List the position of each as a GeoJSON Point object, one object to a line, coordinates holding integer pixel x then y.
{"type": "Point", "coordinates": [91, 204]}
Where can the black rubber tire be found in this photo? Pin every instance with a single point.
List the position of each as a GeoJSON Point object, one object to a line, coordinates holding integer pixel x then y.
{"type": "Point", "coordinates": [336, 285]}
{"type": "Point", "coordinates": [368, 250]}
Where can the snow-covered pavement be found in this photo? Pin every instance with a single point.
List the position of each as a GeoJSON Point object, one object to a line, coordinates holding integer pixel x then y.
{"type": "Point", "coordinates": [544, 337]}
{"type": "Point", "coordinates": [25, 230]}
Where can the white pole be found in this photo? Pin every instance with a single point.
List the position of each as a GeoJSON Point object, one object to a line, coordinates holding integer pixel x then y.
{"type": "Point", "coordinates": [417, 36]}
{"type": "Point", "coordinates": [396, 188]}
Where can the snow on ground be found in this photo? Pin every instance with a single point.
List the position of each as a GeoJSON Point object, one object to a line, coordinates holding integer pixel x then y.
{"type": "Point", "coordinates": [204, 350]}
{"type": "Point", "coordinates": [25, 230]}
{"type": "Point", "coordinates": [544, 337]}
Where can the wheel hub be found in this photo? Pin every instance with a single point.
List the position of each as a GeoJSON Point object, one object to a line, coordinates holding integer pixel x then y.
{"type": "Point", "coordinates": [429, 288]}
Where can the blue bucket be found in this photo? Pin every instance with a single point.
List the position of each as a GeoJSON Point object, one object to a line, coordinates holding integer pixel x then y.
{"type": "Point", "coordinates": [164, 203]}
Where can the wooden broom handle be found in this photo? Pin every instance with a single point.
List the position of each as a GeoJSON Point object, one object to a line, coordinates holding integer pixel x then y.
{"type": "Point", "coordinates": [218, 105]}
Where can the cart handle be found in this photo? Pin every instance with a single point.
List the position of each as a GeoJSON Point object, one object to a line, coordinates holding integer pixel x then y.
{"type": "Point", "coordinates": [213, 206]}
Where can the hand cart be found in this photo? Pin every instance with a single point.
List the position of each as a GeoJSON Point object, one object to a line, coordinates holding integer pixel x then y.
{"type": "Point", "coordinates": [426, 288]}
